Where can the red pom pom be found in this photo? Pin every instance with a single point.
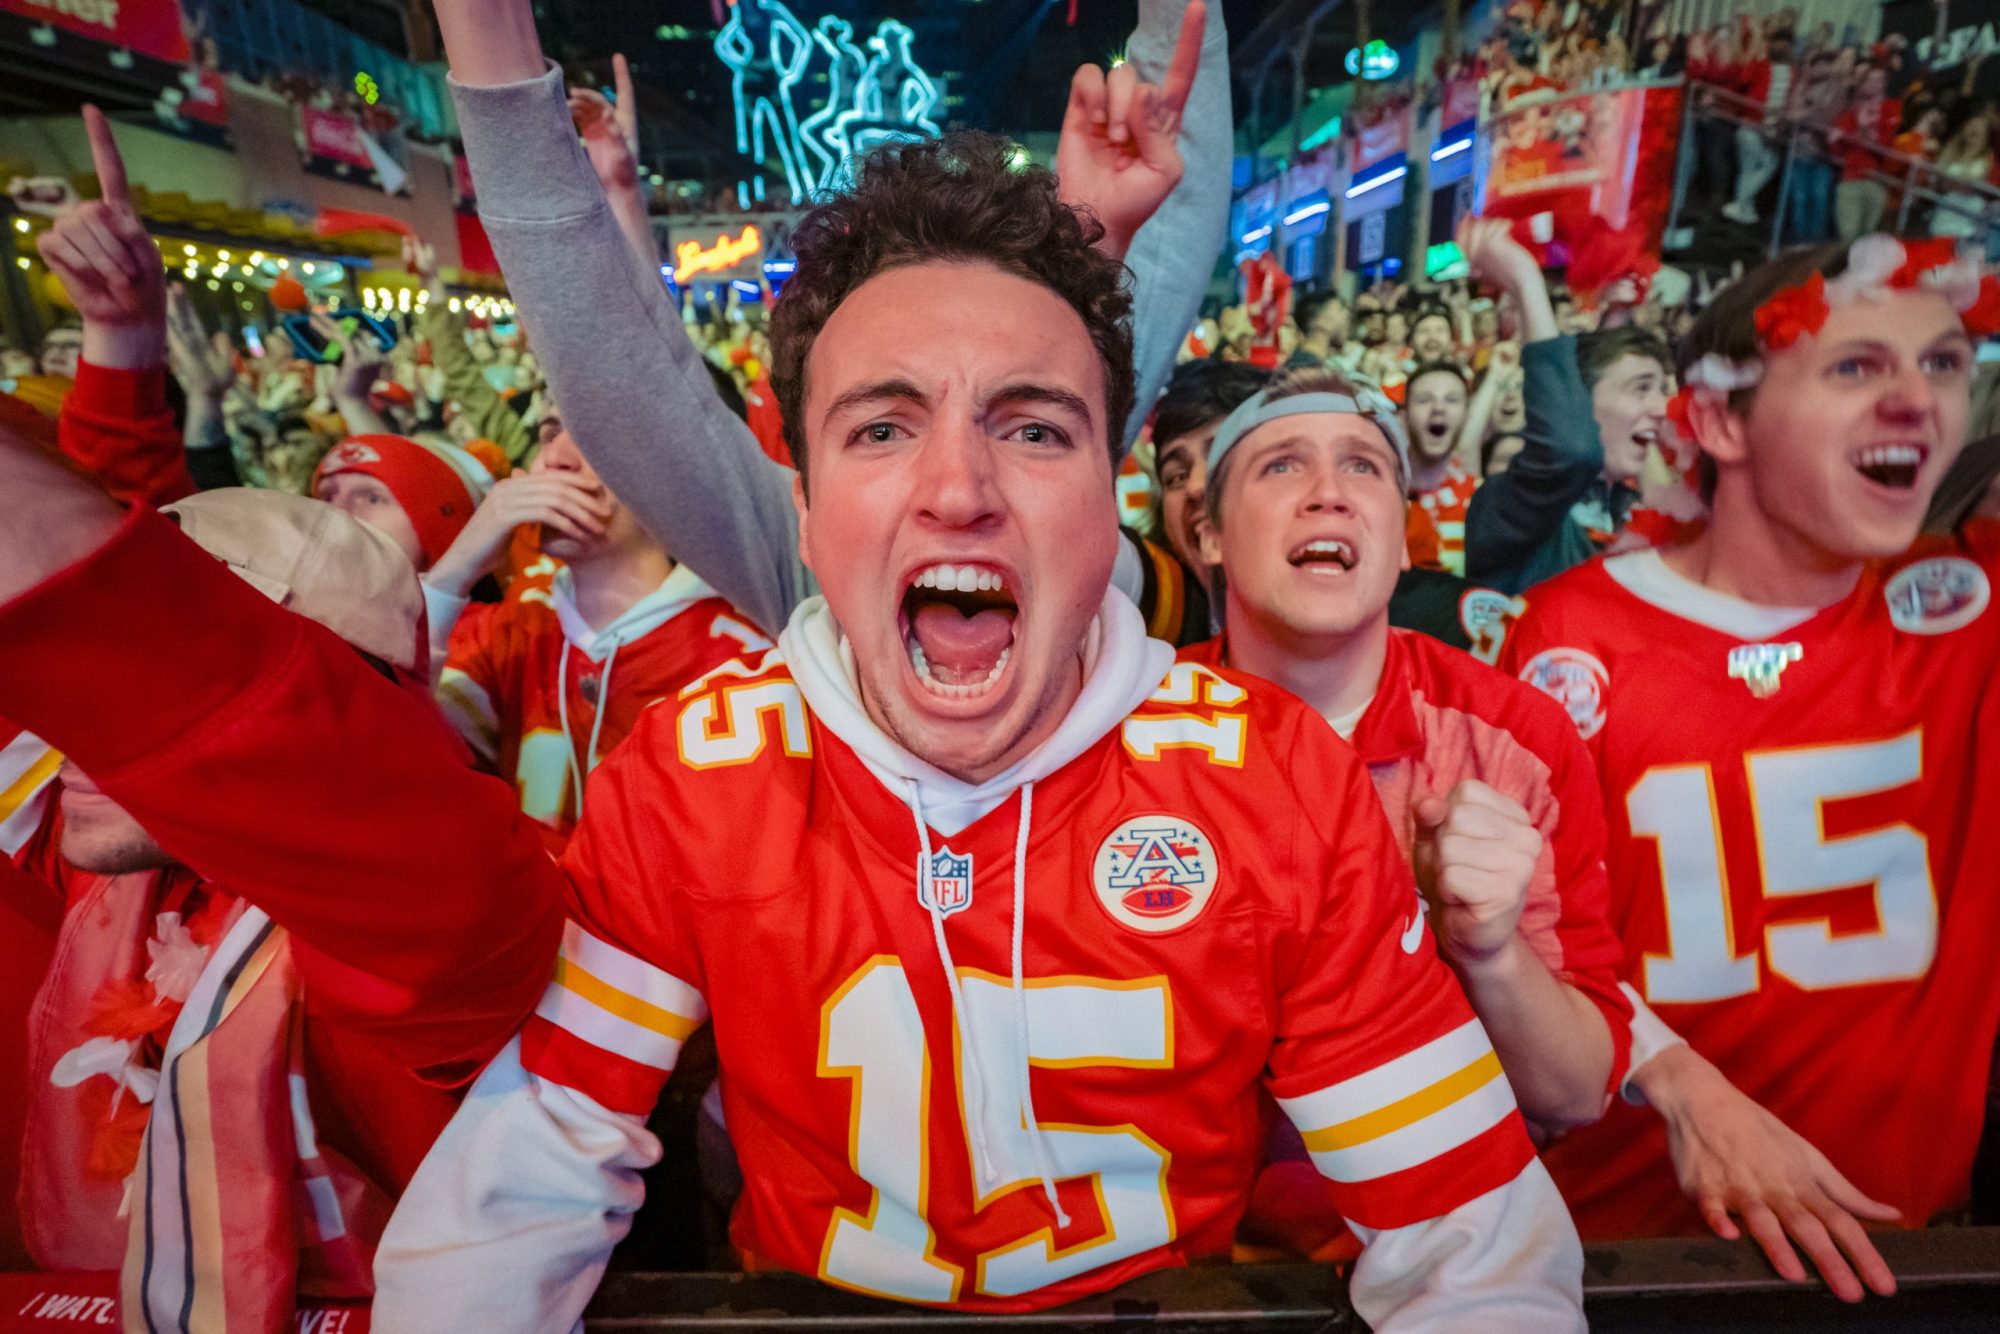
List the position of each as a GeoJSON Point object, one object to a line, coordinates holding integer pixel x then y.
{"type": "Point", "coordinates": [1921, 256]}
{"type": "Point", "coordinates": [1678, 412]}
{"type": "Point", "coordinates": [287, 293]}
{"type": "Point", "coordinates": [1795, 313]}
{"type": "Point", "coordinates": [1982, 320]}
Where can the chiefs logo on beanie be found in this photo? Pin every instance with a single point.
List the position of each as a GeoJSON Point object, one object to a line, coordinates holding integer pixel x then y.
{"type": "Point", "coordinates": [437, 491]}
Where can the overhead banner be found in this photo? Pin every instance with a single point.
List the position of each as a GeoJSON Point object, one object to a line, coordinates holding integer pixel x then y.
{"type": "Point", "coordinates": [1610, 153]}
{"type": "Point", "coordinates": [1381, 138]}
{"type": "Point", "coordinates": [146, 27]}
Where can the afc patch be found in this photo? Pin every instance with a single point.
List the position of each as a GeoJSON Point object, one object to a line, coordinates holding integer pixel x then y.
{"type": "Point", "coordinates": [1762, 666]}
{"type": "Point", "coordinates": [1154, 873]}
{"type": "Point", "coordinates": [950, 880]}
{"type": "Point", "coordinates": [1937, 596]}
{"type": "Point", "coordinates": [1574, 679]}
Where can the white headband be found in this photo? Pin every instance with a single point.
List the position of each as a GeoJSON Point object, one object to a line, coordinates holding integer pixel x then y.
{"type": "Point", "coordinates": [1259, 408]}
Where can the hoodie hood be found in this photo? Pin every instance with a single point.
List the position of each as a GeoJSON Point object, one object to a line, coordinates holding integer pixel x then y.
{"type": "Point", "coordinates": [679, 591]}
{"type": "Point", "coordinates": [1121, 668]}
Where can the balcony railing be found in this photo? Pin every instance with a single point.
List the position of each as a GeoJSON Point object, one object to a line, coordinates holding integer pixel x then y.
{"type": "Point", "coordinates": [257, 38]}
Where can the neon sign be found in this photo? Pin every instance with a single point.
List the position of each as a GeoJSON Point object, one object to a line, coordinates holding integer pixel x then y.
{"type": "Point", "coordinates": [875, 95]}
{"type": "Point", "coordinates": [1377, 60]}
{"type": "Point", "coordinates": [691, 257]}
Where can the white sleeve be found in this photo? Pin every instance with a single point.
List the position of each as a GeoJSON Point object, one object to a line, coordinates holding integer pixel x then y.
{"type": "Point", "coordinates": [441, 613]}
{"type": "Point", "coordinates": [1128, 575]}
{"type": "Point", "coordinates": [1650, 1037]}
{"type": "Point", "coordinates": [510, 1220]}
{"type": "Point", "coordinates": [1507, 1261]}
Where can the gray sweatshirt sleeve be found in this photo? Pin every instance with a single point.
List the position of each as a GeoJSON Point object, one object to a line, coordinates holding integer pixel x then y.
{"type": "Point", "coordinates": [631, 387]}
{"type": "Point", "coordinates": [1174, 253]}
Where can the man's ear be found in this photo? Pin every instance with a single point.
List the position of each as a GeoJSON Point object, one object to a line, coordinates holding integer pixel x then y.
{"type": "Point", "coordinates": [1211, 546]}
{"type": "Point", "coordinates": [805, 516]}
{"type": "Point", "coordinates": [1719, 432]}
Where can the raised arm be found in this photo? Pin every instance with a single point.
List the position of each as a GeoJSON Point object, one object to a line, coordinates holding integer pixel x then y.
{"type": "Point", "coordinates": [265, 753]}
{"type": "Point", "coordinates": [631, 387]}
{"type": "Point", "coordinates": [1182, 47]}
{"type": "Point", "coordinates": [116, 422]}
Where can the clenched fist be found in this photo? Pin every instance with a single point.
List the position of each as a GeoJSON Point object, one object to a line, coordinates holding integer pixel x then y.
{"type": "Point", "coordinates": [1475, 856]}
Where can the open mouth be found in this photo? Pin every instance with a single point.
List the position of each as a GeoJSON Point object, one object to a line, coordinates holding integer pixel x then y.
{"type": "Point", "coordinates": [958, 624]}
{"type": "Point", "coordinates": [1646, 437]}
{"type": "Point", "coordinates": [1893, 466]}
{"type": "Point", "coordinates": [1330, 556]}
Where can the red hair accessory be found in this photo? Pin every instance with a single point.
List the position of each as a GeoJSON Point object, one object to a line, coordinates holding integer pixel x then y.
{"type": "Point", "coordinates": [1795, 313]}
{"type": "Point", "coordinates": [1982, 318]}
{"type": "Point", "coordinates": [1678, 412]}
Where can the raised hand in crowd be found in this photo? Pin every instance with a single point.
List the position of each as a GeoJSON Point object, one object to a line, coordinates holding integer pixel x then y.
{"type": "Point", "coordinates": [563, 502]}
{"type": "Point", "coordinates": [1495, 257]}
{"type": "Point", "coordinates": [1119, 155]}
{"type": "Point", "coordinates": [1736, 1160]}
{"type": "Point", "coordinates": [109, 265]}
{"type": "Point", "coordinates": [360, 360]}
{"type": "Point", "coordinates": [204, 363]}
{"type": "Point", "coordinates": [610, 131]}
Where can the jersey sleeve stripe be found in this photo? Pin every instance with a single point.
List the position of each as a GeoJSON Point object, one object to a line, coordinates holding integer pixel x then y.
{"type": "Point", "coordinates": [554, 1054]}
{"type": "Point", "coordinates": [471, 712]}
{"type": "Point", "coordinates": [574, 978]}
{"type": "Point", "coordinates": [581, 1019]}
{"type": "Point", "coordinates": [627, 972]}
{"type": "Point", "coordinates": [27, 766]}
{"type": "Point", "coordinates": [1420, 1141]}
{"type": "Point", "coordinates": [1391, 1082]}
{"type": "Point", "coordinates": [1406, 1111]}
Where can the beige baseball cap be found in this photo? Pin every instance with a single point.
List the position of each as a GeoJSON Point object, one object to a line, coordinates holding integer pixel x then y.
{"type": "Point", "coordinates": [313, 559]}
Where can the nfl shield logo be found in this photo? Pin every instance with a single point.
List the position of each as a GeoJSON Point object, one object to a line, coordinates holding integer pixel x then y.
{"type": "Point", "coordinates": [950, 879]}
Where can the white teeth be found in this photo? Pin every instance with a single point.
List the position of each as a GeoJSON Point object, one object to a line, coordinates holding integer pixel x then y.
{"type": "Point", "coordinates": [959, 579]}
{"type": "Point", "coordinates": [1890, 456]}
{"type": "Point", "coordinates": [1328, 547]}
{"type": "Point", "coordinates": [971, 689]}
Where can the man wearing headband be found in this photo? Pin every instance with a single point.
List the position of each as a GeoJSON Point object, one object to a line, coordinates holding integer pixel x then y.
{"type": "Point", "coordinates": [1487, 789]}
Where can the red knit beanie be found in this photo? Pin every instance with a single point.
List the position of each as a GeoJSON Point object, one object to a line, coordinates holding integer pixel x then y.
{"type": "Point", "coordinates": [432, 493]}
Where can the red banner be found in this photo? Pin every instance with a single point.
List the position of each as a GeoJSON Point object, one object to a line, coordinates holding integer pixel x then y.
{"type": "Point", "coordinates": [148, 27]}
{"type": "Point", "coordinates": [35, 1303]}
{"type": "Point", "coordinates": [1607, 153]}
{"type": "Point", "coordinates": [1461, 102]}
{"type": "Point", "coordinates": [1382, 138]}
{"type": "Point", "coordinates": [207, 100]}
{"type": "Point", "coordinates": [335, 137]}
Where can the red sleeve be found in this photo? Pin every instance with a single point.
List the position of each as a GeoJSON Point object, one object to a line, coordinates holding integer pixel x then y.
{"type": "Point", "coordinates": [1379, 1060]}
{"type": "Point", "coordinates": [117, 425]}
{"type": "Point", "coordinates": [627, 991]}
{"type": "Point", "coordinates": [470, 684]}
{"type": "Point", "coordinates": [265, 754]}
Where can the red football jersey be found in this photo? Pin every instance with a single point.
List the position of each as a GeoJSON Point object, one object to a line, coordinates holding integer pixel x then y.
{"type": "Point", "coordinates": [1213, 905]}
{"type": "Point", "coordinates": [1447, 503]}
{"type": "Point", "coordinates": [1804, 816]}
{"type": "Point", "coordinates": [506, 679]}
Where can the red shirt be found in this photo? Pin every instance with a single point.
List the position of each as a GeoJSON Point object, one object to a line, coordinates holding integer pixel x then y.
{"type": "Point", "coordinates": [512, 674]}
{"type": "Point", "coordinates": [1439, 717]}
{"type": "Point", "coordinates": [1447, 503]}
{"type": "Point", "coordinates": [1857, 160]}
{"type": "Point", "coordinates": [1804, 821]}
{"type": "Point", "coordinates": [1214, 907]}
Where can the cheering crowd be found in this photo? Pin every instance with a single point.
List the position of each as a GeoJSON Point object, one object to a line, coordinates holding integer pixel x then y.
{"type": "Point", "coordinates": [1527, 776]}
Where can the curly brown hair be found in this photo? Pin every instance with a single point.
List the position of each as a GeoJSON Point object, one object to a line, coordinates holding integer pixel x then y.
{"type": "Point", "coordinates": [961, 197]}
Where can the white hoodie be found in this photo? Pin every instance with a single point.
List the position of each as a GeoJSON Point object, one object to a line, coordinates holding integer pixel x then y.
{"type": "Point", "coordinates": [512, 1217]}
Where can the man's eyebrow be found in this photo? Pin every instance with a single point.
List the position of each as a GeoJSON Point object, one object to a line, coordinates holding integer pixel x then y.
{"type": "Point", "coordinates": [875, 392]}
{"type": "Point", "coordinates": [1043, 393]}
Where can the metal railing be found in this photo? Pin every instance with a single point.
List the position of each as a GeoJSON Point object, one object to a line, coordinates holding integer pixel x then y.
{"type": "Point", "coordinates": [256, 38]}
{"type": "Point", "coordinates": [1911, 179]}
{"type": "Point", "coordinates": [1949, 1281]}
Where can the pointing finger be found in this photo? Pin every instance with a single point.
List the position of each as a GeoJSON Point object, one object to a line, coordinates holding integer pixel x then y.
{"type": "Point", "coordinates": [104, 158]}
{"type": "Point", "coordinates": [1119, 87]}
{"type": "Point", "coordinates": [1186, 60]}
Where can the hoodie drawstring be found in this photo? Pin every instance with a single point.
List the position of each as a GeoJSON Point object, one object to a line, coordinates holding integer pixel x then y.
{"type": "Point", "coordinates": [1044, 1160]}
{"type": "Point", "coordinates": [982, 1159]}
{"type": "Point", "coordinates": [578, 774]}
{"type": "Point", "coordinates": [962, 1019]}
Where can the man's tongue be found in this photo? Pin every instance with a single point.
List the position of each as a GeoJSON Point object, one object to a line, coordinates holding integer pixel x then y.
{"type": "Point", "coordinates": [961, 649]}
